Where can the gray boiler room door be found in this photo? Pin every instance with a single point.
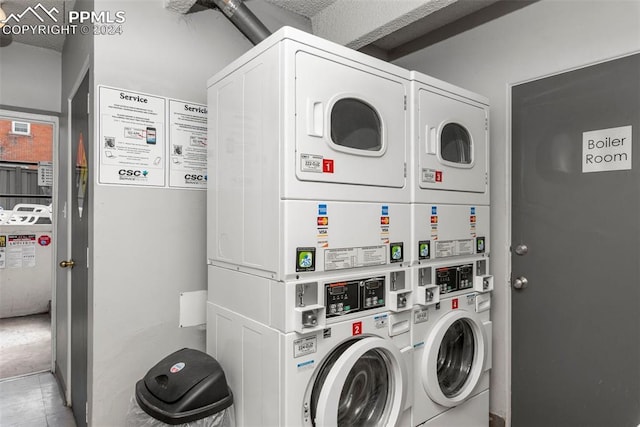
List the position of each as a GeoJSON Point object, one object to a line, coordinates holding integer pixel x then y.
{"type": "Point", "coordinates": [576, 248]}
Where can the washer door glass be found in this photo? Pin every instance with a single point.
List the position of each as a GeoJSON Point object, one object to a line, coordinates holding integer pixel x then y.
{"type": "Point", "coordinates": [455, 357]}
{"type": "Point", "coordinates": [365, 394]}
{"type": "Point", "coordinates": [356, 125]}
{"type": "Point", "coordinates": [455, 144]}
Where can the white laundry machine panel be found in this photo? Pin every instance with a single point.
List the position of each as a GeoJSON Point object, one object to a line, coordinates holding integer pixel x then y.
{"type": "Point", "coordinates": [306, 305]}
{"type": "Point", "coordinates": [452, 360]}
{"type": "Point", "coordinates": [299, 117]}
{"type": "Point", "coordinates": [446, 231]}
{"type": "Point", "coordinates": [433, 281]}
{"type": "Point", "coordinates": [299, 238]}
{"type": "Point", "coordinates": [352, 373]}
{"type": "Point", "coordinates": [450, 137]}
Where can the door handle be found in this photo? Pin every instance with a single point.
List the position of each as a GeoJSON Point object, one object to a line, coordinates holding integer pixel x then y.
{"type": "Point", "coordinates": [65, 264]}
{"type": "Point", "coordinates": [521, 249]}
{"type": "Point", "coordinates": [520, 283]}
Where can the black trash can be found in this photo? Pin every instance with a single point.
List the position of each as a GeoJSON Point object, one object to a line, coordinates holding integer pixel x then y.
{"type": "Point", "coordinates": [183, 388]}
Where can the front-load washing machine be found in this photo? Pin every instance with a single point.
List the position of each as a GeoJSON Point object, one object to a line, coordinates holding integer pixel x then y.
{"type": "Point", "coordinates": [450, 143]}
{"type": "Point", "coordinates": [452, 362]}
{"type": "Point", "coordinates": [351, 373]}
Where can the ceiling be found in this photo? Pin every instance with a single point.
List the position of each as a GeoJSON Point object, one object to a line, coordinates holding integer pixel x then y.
{"type": "Point", "coordinates": [387, 29]}
{"type": "Point", "coordinates": [379, 26]}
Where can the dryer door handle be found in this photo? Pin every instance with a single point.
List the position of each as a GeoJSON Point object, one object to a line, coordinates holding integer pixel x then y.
{"type": "Point", "coordinates": [315, 118]}
{"type": "Point", "coordinates": [430, 139]}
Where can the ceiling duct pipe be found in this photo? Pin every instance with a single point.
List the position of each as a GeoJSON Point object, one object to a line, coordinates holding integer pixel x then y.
{"type": "Point", "coordinates": [240, 15]}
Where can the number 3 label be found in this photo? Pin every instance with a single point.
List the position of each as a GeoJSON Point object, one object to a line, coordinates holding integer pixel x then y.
{"type": "Point", "coordinates": [356, 328]}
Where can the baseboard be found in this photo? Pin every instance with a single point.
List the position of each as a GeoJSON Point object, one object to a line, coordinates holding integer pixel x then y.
{"type": "Point", "coordinates": [61, 385]}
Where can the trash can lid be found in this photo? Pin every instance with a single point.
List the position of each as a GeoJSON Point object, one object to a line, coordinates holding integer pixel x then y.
{"type": "Point", "coordinates": [184, 386]}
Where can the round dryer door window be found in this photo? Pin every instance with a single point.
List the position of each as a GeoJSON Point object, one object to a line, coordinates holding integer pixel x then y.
{"type": "Point", "coordinates": [359, 384]}
{"type": "Point", "coordinates": [455, 144]}
{"type": "Point", "coordinates": [356, 125]}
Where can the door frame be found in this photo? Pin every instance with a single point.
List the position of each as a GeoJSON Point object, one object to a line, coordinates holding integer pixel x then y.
{"type": "Point", "coordinates": [53, 120]}
{"type": "Point", "coordinates": [508, 202]}
{"type": "Point", "coordinates": [83, 71]}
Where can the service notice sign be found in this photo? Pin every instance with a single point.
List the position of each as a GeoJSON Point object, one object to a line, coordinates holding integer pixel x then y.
{"type": "Point", "coordinates": [132, 143]}
{"type": "Point", "coordinates": [606, 149]}
{"type": "Point", "coordinates": [188, 145]}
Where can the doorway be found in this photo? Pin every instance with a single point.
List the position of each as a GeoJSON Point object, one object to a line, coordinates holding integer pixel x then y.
{"type": "Point", "coordinates": [576, 247]}
{"type": "Point", "coordinates": [27, 224]}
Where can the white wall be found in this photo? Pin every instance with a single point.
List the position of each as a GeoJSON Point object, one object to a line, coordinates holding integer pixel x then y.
{"type": "Point", "coordinates": [541, 39]}
{"type": "Point", "coordinates": [149, 243]}
{"type": "Point", "coordinates": [30, 77]}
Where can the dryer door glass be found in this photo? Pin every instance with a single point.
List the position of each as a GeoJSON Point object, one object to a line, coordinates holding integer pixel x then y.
{"type": "Point", "coordinates": [455, 144]}
{"type": "Point", "coordinates": [365, 396]}
{"type": "Point", "coordinates": [355, 124]}
{"type": "Point", "coordinates": [455, 357]}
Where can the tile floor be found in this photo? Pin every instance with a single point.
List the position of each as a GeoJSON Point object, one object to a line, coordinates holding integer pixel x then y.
{"type": "Point", "coordinates": [25, 345]}
{"type": "Point", "coordinates": [33, 400]}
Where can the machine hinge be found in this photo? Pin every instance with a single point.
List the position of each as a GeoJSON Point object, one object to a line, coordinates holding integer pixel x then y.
{"type": "Point", "coordinates": [88, 103]}
{"type": "Point", "coordinates": [405, 169]}
{"type": "Point", "coordinates": [486, 124]}
{"type": "Point", "coordinates": [405, 103]}
{"type": "Point", "coordinates": [86, 412]}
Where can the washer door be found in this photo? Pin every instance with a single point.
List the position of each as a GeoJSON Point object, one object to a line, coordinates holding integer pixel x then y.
{"type": "Point", "coordinates": [454, 358]}
{"type": "Point", "coordinates": [362, 383]}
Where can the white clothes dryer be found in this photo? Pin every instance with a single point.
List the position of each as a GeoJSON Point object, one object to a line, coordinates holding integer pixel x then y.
{"type": "Point", "coordinates": [352, 373]}
{"type": "Point", "coordinates": [310, 119]}
{"type": "Point", "coordinates": [450, 143]}
{"type": "Point", "coordinates": [452, 362]}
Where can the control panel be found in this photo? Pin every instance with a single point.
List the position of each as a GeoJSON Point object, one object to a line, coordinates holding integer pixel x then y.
{"type": "Point", "coordinates": [454, 278]}
{"type": "Point", "coordinates": [354, 295]}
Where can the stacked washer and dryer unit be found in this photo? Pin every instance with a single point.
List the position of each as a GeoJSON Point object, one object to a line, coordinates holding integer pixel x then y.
{"type": "Point", "coordinates": [451, 331]}
{"type": "Point", "coordinates": [310, 294]}
{"type": "Point", "coordinates": [334, 298]}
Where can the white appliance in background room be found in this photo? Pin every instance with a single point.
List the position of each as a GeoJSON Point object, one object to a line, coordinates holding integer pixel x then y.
{"type": "Point", "coordinates": [356, 372]}
{"type": "Point", "coordinates": [452, 362]}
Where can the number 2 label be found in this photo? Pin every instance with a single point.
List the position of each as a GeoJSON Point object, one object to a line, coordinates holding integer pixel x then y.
{"type": "Point", "coordinates": [356, 328]}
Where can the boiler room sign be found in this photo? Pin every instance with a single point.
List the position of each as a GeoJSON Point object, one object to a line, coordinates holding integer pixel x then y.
{"type": "Point", "coordinates": [606, 150]}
